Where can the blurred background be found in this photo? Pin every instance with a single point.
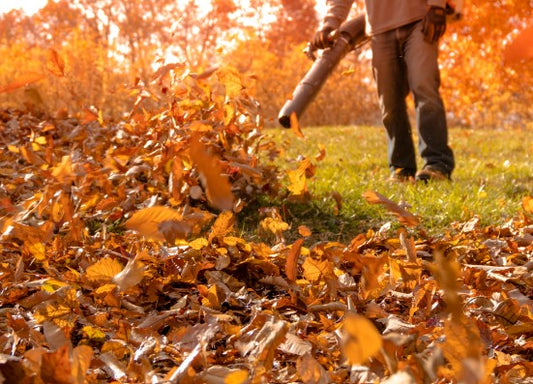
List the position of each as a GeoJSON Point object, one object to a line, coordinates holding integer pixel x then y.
{"type": "Point", "coordinates": [110, 46]}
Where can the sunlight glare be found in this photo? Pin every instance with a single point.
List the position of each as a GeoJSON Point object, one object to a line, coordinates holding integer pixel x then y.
{"type": "Point", "coordinates": [27, 6]}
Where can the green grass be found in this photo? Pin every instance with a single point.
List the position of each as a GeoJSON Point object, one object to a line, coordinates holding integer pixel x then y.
{"type": "Point", "coordinates": [494, 171]}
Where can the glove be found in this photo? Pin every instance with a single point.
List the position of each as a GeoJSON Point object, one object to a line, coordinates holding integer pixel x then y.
{"type": "Point", "coordinates": [434, 24]}
{"type": "Point", "coordinates": [321, 39]}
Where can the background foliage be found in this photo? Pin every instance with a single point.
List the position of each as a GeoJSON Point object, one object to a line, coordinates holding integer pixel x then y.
{"type": "Point", "coordinates": [110, 45]}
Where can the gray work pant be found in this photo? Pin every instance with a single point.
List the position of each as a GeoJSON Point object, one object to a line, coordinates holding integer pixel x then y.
{"type": "Point", "coordinates": [402, 62]}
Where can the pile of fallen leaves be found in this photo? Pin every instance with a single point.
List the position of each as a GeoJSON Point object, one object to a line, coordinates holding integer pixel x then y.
{"type": "Point", "coordinates": [121, 261]}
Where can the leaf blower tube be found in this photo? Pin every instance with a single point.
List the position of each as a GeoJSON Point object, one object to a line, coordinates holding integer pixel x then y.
{"type": "Point", "coordinates": [350, 34]}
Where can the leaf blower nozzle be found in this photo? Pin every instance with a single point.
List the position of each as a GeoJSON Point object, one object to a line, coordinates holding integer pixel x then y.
{"type": "Point", "coordinates": [350, 35]}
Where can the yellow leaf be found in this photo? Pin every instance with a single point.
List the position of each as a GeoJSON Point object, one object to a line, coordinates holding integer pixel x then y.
{"type": "Point", "coordinates": [199, 243]}
{"type": "Point", "coordinates": [52, 285]}
{"type": "Point", "coordinates": [231, 80]}
{"type": "Point", "coordinates": [237, 377]}
{"type": "Point", "coordinates": [298, 178]}
{"type": "Point", "coordinates": [274, 225]}
{"type": "Point", "coordinates": [93, 333]}
{"type": "Point", "coordinates": [362, 340]}
{"type": "Point", "coordinates": [103, 270]}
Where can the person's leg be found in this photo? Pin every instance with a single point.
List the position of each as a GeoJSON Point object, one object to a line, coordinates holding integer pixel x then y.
{"type": "Point", "coordinates": [424, 80]}
{"type": "Point", "coordinates": [391, 80]}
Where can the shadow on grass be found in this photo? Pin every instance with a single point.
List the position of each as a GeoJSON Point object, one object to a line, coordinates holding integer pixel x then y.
{"type": "Point", "coordinates": [320, 218]}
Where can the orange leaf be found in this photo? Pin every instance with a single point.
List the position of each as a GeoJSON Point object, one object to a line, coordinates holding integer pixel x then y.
{"type": "Point", "coordinates": [218, 187]}
{"type": "Point", "coordinates": [295, 125]}
{"type": "Point", "coordinates": [150, 222]}
{"type": "Point", "coordinates": [304, 231]}
{"type": "Point", "coordinates": [362, 340]}
{"type": "Point", "coordinates": [56, 366]}
{"type": "Point", "coordinates": [54, 63]}
{"type": "Point", "coordinates": [22, 81]}
{"type": "Point", "coordinates": [291, 265]}
{"type": "Point", "coordinates": [527, 203]}
{"type": "Point", "coordinates": [405, 217]}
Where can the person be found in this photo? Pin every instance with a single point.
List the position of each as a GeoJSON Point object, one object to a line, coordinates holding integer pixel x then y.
{"type": "Point", "coordinates": [404, 37]}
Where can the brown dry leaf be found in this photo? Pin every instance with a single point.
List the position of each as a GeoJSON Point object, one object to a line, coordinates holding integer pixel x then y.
{"type": "Point", "coordinates": [404, 216]}
{"type": "Point", "coordinates": [22, 81]}
{"type": "Point", "coordinates": [103, 271]}
{"type": "Point", "coordinates": [55, 63]}
{"type": "Point", "coordinates": [291, 265]}
{"type": "Point", "coordinates": [361, 340]}
{"type": "Point", "coordinates": [310, 370]}
{"type": "Point", "coordinates": [295, 125]}
{"type": "Point", "coordinates": [218, 187]}
{"type": "Point", "coordinates": [148, 222]}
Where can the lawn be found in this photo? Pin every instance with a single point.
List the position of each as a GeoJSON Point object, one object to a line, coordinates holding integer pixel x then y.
{"type": "Point", "coordinates": [493, 174]}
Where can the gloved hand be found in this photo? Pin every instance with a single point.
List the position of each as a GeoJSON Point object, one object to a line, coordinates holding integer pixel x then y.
{"type": "Point", "coordinates": [434, 24]}
{"type": "Point", "coordinates": [321, 39]}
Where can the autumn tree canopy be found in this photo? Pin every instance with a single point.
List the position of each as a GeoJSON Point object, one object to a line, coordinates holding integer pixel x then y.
{"type": "Point", "coordinates": [108, 45]}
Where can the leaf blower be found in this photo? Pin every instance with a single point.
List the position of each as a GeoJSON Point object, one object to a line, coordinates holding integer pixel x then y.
{"type": "Point", "coordinates": [351, 34]}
